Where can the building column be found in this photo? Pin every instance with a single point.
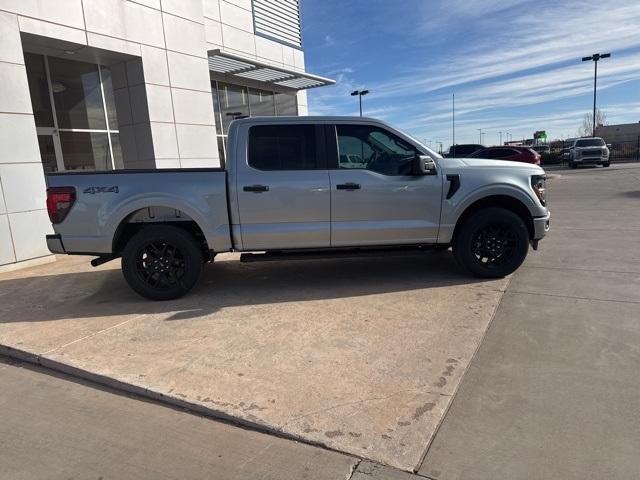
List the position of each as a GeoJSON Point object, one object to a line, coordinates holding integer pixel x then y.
{"type": "Point", "coordinates": [23, 216]}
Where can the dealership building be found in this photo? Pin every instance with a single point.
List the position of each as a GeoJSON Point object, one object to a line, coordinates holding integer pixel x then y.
{"type": "Point", "coordinates": [112, 84]}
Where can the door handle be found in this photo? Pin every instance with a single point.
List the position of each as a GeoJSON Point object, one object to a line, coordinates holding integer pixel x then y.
{"type": "Point", "coordinates": [348, 186]}
{"type": "Point", "coordinates": [255, 188]}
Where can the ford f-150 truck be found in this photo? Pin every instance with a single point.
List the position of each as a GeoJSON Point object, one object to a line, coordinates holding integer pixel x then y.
{"type": "Point", "coordinates": [300, 187]}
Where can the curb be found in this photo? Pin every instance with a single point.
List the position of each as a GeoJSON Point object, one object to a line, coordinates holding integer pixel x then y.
{"type": "Point", "coordinates": [167, 400]}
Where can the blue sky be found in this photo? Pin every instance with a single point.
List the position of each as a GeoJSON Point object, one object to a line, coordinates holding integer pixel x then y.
{"type": "Point", "coordinates": [514, 65]}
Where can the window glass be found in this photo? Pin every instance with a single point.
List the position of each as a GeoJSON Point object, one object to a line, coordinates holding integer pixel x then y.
{"type": "Point", "coordinates": [590, 142]}
{"type": "Point", "coordinates": [47, 153]}
{"type": "Point", "coordinates": [375, 149]}
{"type": "Point", "coordinates": [40, 100]}
{"type": "Point", "coordinates": [221, 149]}
{"type": "Point", "coordinates": [262, 103]}
{"type": "Point", "coordinates": [216, 107]}
{"type": "Point", "coordinates": [283, 147]}
{"type": "Point", "coordinates": [234, 103]}
{"type": "Point", "coordinates": [77, 94]}
{"type": "Point", "coordinates": [85, 151]}
{"type": "Point", "coordinates": [286, 104]}
{"type": "Point", "coordinates": [118, 159]}
{"type": "Point", "coordinates": [109, 98]}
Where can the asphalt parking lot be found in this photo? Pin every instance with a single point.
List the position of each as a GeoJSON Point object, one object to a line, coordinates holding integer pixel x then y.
{"type": "Point", "coordinates": [367, 356]}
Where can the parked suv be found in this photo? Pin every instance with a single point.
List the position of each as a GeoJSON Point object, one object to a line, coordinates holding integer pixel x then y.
{"type": "Point", "coordinates": [463, 150]}
{"type": "Point", "coordinates": [590, 150]}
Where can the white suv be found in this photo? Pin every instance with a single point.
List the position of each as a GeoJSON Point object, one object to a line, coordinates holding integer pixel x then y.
{"type": "Point", "coordinates": [589, 150]}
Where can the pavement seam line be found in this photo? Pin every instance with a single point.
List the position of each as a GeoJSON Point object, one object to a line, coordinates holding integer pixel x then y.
{"type": "Point", "coordinates": [631, 302]}
{"type": "Point", "coordinates": [453, 395]}
{"type": "Point", "coordinates": [594, 270]}
{"type": "Point", "coordinates": [92, 334]}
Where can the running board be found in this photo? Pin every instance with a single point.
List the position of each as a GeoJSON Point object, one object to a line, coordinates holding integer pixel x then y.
{"type": "Point", "coordinates": [274, 256]}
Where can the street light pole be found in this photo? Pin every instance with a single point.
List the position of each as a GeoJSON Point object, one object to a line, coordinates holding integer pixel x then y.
{"type": "Point", "coordinates": [596, 57]}
{"type": "Point", "coordinates": [500, 138]}
{"type": "Point", "coordinates": [359, 94]}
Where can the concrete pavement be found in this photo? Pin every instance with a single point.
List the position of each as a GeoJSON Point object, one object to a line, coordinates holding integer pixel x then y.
{"type": "Point", "coordinates": [56, 427]}
{"type": "Point", "coordinates": [362, 356]}
{"type": "Point", "coordinates": [554, 391]}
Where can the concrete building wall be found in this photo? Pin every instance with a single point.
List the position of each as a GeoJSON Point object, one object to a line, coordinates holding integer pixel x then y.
{"type": "Point", "coordinates": [625, 132]}
{"type": "Point", "coordinates": [229, 27]}
{"type": "Point", "coordinates": [162, 89]}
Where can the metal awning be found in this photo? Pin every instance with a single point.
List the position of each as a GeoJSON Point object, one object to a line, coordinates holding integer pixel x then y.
{"type": "Point", "coordinates": [236, 66]}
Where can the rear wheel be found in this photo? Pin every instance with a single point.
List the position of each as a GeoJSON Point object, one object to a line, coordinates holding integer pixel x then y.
{"type": "Point", "coordinates": [572, 164]}
{"type": "Point", "coordinates": [491, 243]}
{"type": "Point", "coordinates": [162, 262]}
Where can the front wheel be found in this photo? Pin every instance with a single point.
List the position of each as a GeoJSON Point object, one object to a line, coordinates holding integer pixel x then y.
{"type": "Point", "coordinates": [162, 262]}
{"type": "Point", "coordinates": [606, 164]}
{"type": "Point", "coordinates": [491, 243]}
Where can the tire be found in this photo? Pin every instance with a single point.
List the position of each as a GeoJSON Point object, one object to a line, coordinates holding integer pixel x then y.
{"type": "Point", "coordinates": [572, 164]}
{"type": "Point", "coordinates": [606, 164]}
{"type": "Point", "coordinates": [162, 262]}
{"type": "Point", "coordinates": [492, 243]}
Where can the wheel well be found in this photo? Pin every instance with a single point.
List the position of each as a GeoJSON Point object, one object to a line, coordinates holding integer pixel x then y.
{"type": "Point", "coordinates": [143, 217]}
{"type": "Point", "coordinates": [500, 201]}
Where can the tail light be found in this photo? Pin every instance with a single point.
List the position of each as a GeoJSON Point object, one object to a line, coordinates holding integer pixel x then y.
{"type": "Point", "coordinates": [59, 202]}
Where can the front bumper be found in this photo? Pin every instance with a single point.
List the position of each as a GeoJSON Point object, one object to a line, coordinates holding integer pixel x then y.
{"type": "Point", "coordinates": [591, 160]}
{"type": "Point", "coordinates": [541, 226]}
{"type": "Point", "coordinates": [54, 244]}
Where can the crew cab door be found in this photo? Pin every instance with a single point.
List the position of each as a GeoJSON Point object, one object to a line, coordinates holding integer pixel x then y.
{"type": "Point", "coordinates": [375, 197]}
{"type": "Point", "coordinates": [282, 188]}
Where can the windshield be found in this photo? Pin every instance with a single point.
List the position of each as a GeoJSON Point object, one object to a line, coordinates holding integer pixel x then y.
{"type": "Point", "coordinates": [590, 142]}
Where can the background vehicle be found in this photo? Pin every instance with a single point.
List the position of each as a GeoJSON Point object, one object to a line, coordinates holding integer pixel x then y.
{"type": "Point", "coordinates": [566, 150]}
{"type": "Point", "coordinates": [292, 190]}
{"type": "Point", "coordinates": [542, 149]}
{"type": "Point", "coordinates": [463, 150]}
{"type": "Point", "coordinates": [590, 150]}
{"type": "Point", "coordinates": [513, 154]}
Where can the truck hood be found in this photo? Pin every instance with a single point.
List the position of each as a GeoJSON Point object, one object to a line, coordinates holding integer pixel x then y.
{"type": "Point", "coordinates": [481, 163]}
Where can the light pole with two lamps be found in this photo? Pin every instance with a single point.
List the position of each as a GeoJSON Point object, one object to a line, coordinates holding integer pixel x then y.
{"type": "Point", "coordinates": [596, 57]}
{"type": "Point", "coordinates": [359, 94]}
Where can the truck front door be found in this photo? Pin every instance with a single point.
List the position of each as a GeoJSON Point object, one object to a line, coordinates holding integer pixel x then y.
{"type": "Point", "coordinates": [282, 186]}
{"type": "Point", "coordinates": [375, 197]}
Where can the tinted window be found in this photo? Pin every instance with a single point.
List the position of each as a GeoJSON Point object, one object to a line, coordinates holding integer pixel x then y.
{"type": "Point", "coordinates": [497, 153]}
{"type": "Point", "coordinates": [375, 149]}
{"type": "Point", "coordinates": [283, 147]}
{"type": "Point", "coordinates": [590, 142]}
{"type": "Point", "coordinates": [465, 149]}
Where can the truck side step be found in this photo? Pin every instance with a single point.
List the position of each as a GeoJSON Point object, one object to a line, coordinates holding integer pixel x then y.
{"type": "Point", "coordinates": [274, 256]}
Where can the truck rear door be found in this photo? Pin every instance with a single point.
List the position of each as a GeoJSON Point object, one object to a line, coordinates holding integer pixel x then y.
{"type": "Point", "coordinates": [282, 186]}
{"type": "Point", "coordinates": [375, 198]}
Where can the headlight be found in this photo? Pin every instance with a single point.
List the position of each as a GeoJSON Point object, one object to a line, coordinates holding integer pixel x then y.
{"type": "Point", "coordinates": [539, 186]}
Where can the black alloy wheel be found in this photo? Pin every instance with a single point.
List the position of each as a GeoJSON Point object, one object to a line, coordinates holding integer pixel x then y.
{"type": "Point", "coordinates": [491, 243]}
{"type": "Point", "coordinates": [162, 262]}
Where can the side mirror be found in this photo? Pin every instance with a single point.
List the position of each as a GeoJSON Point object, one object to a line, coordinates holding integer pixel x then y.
{"type": "Point", "coordinates": [424, 165]}
{"type": "Point", "coordinates": [608, 145]}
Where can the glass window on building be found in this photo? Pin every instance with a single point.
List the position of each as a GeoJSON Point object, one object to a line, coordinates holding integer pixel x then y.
{"type": "Point", "coordinates": [261, 103]}
{"type": "Point", "coordinates": [75, 114]}
{"type": "Point", "coordinates": [234, 101]}
{"type": "Point", "coordinates": [286, 104]}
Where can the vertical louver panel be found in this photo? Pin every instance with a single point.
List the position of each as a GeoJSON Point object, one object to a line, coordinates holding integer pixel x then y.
{"type": "Point", "coordinates": [279, 20]}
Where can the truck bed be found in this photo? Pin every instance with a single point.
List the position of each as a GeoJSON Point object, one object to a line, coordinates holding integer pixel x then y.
{"type": "Point", "coordinates": [107, 200]}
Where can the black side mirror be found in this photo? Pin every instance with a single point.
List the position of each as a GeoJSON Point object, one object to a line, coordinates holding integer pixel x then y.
{"type": "Point", "coordinates": [424, 165]}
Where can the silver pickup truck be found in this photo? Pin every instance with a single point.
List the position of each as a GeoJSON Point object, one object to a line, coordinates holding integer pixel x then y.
{"type": "Point", "coordinates": [300, 187]}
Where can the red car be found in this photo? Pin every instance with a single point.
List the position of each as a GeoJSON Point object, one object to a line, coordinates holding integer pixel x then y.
{"type": "Point", "coordinates": [514, 154]}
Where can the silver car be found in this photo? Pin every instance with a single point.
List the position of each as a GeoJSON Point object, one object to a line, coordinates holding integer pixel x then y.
{"type": "Point", "coordinates": [589, 151]}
